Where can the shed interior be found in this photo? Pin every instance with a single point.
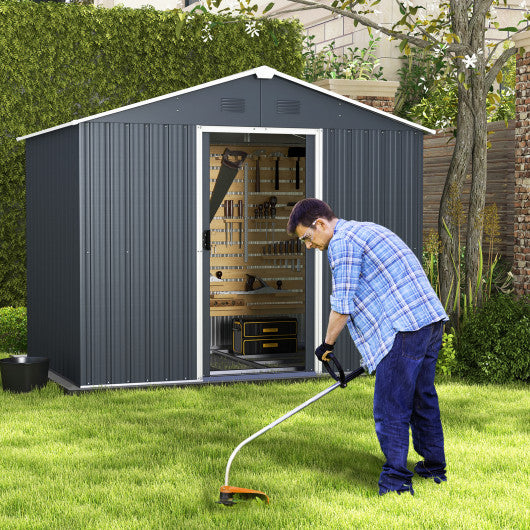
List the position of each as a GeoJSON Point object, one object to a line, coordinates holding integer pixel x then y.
{"type": "Point", "coordinates": [257, 271]}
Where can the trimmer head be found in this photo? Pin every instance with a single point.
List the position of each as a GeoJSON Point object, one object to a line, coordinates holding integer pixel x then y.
{"type": "Point", "coordinates": [231, 495]}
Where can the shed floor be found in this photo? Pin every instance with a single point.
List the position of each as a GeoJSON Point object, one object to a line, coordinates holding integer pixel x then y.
{"type": "Point", "coordinates": [71, 388]}
{"type": "Point", "coordinates": [222, 360]}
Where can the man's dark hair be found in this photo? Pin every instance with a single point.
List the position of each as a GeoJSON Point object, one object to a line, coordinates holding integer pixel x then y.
{"type": "Point", "coordinates": [306, 212]}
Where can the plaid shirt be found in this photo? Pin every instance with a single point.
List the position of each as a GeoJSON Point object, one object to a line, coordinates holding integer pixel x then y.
{"type": "Point", "coordinates": [380, 283]}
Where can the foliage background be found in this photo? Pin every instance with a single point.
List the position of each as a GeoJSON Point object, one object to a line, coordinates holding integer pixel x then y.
{"type": "Point", "coordinates": [61, 62]}
{"type": "Point", "coordinates": [494, 343]}
{"type": "Point", "coordinates": [13, 330]}
{"type": "Point", "coordinates": [428, 96]}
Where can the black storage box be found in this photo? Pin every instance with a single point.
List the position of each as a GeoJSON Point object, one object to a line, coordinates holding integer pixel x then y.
{"type": "Point", "coordinates": [23, 374]}
{"type": "Point", "coordinates": [256, 336]}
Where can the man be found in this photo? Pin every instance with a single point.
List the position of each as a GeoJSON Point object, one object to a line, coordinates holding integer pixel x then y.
{"type": "Point", "coordinates": [396, 321]}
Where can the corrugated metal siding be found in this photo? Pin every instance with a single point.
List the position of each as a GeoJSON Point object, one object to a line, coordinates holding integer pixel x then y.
{"type": "Point", "coordinates": [138, 271]}
{"type": "Point", "coordinates": [373, 176]}
{"type": "Point", "coordinates": [52, 238]}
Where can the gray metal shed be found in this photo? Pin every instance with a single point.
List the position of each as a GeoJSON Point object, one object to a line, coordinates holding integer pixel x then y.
{"type": "Point", "coordinates": [121, 290]}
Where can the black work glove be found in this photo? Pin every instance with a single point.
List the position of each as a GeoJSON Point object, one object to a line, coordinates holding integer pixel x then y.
{"type": "Point", "coordinates": [322, 349]}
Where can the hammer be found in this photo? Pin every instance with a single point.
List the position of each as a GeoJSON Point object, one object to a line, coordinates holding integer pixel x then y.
{"type": "Point", "coordinates": [297, 152]}
{"type": "Point", "coordinates": [257, 153]}
{"type": "Point", "coordinates": [278, 155]}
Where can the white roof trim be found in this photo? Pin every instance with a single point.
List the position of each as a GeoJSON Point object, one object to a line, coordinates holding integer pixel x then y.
{"type": "Point", "coordinates": [262, 72]}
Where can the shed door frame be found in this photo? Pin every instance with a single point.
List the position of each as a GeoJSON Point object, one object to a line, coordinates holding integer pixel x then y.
{"type": "Point", "coordinates": [202, 224]}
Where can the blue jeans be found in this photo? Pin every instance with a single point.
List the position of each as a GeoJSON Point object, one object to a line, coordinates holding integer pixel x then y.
{"type": "Point", "coordinates": [405, 395]}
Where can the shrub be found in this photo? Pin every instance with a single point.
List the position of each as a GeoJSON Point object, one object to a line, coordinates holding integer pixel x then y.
{"type": "Point", "coordinates": [447, 357]}
{"type": "Point", "coordinates": [494, 343]}
{"type": "Point", "coordinates": [13, 329]}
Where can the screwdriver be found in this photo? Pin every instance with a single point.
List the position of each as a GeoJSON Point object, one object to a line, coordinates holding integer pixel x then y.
{"type": "Point", "coordinates": [240, 216]}
{"type": "Point", "coordinates": [273, 201]}
{"type": "Point", "coordinates": [226, 224]}
{"type": "Point", "coordinates": [266, 207]}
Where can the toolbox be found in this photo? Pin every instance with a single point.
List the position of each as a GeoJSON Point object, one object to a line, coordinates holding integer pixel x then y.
{"type": "Point", "coordinates": [256, 336]}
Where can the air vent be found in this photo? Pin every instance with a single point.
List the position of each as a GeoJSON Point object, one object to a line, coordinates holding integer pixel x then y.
{"type": "Point", "coordinates": [232, 105]}
{"type": "Point", "coordinates": [287, 106]}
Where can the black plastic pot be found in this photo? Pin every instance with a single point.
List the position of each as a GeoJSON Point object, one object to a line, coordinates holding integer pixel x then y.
{"type": "Point", "coordinates": [23, 374]}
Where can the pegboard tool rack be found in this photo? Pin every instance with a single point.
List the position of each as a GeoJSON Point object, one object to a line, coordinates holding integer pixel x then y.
{"type": "Point", "coordinates": [249, 241]}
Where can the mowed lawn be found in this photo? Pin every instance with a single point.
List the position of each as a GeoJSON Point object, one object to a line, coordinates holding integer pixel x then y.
{"type": "Point", "coordinates": [156, 459]}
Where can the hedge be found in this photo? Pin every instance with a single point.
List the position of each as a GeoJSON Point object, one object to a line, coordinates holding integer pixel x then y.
{"type": "Point", "coordinates": [61, 62]}
{"type": "Point", "coordinates": [13, 330]}
{"type": "Point", "coordinates": [494, 343]}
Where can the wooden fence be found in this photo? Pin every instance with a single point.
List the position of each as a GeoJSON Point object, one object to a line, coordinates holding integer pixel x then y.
{"type": "Point", "coordinates": [437, 153]}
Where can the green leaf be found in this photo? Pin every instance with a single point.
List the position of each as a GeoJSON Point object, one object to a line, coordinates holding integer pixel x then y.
{"type": "Point", "coordinates": [268, 7]}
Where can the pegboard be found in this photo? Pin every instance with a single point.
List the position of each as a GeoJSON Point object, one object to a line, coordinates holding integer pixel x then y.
{"type": "Point", "coordinates": [245, 243]}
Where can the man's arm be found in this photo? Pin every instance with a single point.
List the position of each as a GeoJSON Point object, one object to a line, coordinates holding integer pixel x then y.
{"type": "Point", "coordinates": [336, 323]}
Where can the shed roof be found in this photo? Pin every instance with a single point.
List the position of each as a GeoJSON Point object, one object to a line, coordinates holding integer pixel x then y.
{"type": "Point", "coordinates": [262, 72]}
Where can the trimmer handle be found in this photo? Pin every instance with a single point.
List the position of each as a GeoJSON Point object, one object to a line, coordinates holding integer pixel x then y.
{"type": "Point", "coordinates": [341, 377]}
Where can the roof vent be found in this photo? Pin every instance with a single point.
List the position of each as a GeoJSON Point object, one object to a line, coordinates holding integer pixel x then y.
{"type": "Point", "coordinates": [287, 106]}
{"type": "Point", "coordinates": [232, 105]}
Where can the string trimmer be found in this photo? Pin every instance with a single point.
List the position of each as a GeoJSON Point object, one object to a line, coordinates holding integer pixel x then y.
{"type": "Point", "coordinates": [231, 494]}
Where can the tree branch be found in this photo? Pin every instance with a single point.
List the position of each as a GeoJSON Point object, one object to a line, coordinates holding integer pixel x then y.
{"type": "Point", "coordinates": [420, 28]}
{"type": "Point", "coordinates": [494, 49]}
{"type": "Point", "coordinates": [479, 13]}
{"type": "Point", "coordinates": [270, 15]}
{"type": "Point", "coordinates": [497, 65]}
{"type": "Point", "coordinates": [365, 21]}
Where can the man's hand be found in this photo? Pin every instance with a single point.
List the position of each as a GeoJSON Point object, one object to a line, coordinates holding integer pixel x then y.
{"type": "Point", "coordinates": [321, 351]}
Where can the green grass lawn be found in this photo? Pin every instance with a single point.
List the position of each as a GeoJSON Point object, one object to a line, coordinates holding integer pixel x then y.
{"type": "Point", "coordinates": [156, 459]}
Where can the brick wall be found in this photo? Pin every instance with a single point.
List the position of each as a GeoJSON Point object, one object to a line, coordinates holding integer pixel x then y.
{"type": "Point", "coordinates": [521, 248]}
{"type": "Point", "coordinates": [379, 102]}
{"type": "Point", "coordinates": [377, 94]}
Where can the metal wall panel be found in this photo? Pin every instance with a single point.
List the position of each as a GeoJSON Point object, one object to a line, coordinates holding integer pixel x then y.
{"type": "Point", "coordinates": [373, 176]}
{"type": "Point", "coordinates": [52, 239]}
{"type": "Point", "coordinates": [139, 264]}
{"type": "Point", "coordinates": [288, 104]}
{"type": "Point", "coordinates": [207, 106]}
{"type": "Point", "coordinates": [253, 102]}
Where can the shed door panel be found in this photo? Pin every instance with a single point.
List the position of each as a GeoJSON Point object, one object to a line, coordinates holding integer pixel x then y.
{"type": "Point", "coordinates": [139, 264]}
{"type": "Point", "coordinates": [373, 176]}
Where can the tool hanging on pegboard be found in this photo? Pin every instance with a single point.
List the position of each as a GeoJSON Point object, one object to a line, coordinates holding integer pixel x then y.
{"type": "Point", "coordinates": [296, 152]}
{"type": "Point", "coordinates": [273, 201]}
{"type": "Point", "coordinates": [258, 153]}
{"type": "Point", "coordinates": [240, 220]}
{"type": "Point", "coordinates": [229, 214]}
{"type": "Point", "coordinates": [225, 178]}
{"type": "Point", "coordinates": [277, 155]}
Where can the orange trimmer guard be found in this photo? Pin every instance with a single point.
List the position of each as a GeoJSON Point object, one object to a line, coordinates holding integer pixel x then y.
{"type": "Point", "coordinates": [230, 495]}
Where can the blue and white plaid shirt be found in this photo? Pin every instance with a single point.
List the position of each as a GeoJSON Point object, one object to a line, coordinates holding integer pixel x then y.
{"type": "Point", "coordinates": [380, 283]}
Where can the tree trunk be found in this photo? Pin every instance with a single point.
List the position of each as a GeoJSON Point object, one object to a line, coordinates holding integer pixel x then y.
{"type": "Point", "coordinates": [449, 215]}
{"type": "Point", "coordinates": [479, 177]}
